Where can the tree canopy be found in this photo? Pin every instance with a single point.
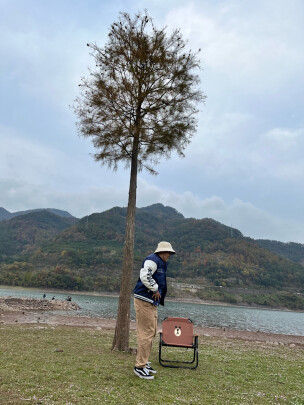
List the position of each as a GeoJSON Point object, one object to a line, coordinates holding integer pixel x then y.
{"type": "Point", "coordinates": [144, 88]}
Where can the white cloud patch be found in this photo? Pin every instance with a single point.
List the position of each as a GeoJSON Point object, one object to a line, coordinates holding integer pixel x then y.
{"type": "Point", "coordinates": [45, 67]}
{"type": "Point", "coordinates": [278, 154]}
{"type": "Point", "coordinates": [29, 162]}
{"type": "Point", "coordinates": [285, 136]}
{"type": "Point", "coordinates": [26, 160]}
{"type": "Point", "coordinates": [252, 44]}
{"type": "Point", "coordinates": [17, 195]}
{"type": "Point", "coordinates": [46, 51]}
{"type": "Point", "coordinates": [230, 145]}
{"type": "Point", "coordinates": [220, 146]}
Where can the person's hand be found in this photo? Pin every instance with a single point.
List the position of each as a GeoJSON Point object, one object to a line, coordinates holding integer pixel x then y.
{"type": "Point", "coordinates": [156, 296]}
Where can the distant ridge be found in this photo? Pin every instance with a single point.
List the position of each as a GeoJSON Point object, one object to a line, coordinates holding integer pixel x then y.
{"type": "Point", "coordinates": [21, 233]}
{"type": "Point", "coordinates": [213, 261]}
{"type": "Point", "coordinates": [4, 214]}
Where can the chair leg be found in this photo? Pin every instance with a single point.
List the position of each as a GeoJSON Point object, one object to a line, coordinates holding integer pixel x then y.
{"type": "Point", "coordinates": [179, 363]}
{"type": "Point", "coordinates": [160, 348]}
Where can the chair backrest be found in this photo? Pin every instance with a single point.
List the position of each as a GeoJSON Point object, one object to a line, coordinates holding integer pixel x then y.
{"type": "Point", "coordinates": [177, 332]}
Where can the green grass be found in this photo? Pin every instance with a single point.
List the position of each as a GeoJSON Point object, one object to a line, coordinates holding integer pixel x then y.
{"type": "Point", "coordinates": [63, 365]}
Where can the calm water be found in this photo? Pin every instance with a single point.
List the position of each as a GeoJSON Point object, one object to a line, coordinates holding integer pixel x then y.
{"type": "Point", "coordinates": [250, 319]}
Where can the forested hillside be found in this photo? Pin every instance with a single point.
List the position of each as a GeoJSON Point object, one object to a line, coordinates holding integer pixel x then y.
{"type": "Point", "coordinates": [4, 214]}
{"type": "Point", "coordinates": [23, 233]}
{"type": "Point", "coordinates": [213, 261]}
{"type": "Point", "coordinates": [292, 251]}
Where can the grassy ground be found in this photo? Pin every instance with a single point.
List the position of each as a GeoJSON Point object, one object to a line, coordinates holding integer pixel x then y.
{"type": "Point", "coordinates": [62, 365]}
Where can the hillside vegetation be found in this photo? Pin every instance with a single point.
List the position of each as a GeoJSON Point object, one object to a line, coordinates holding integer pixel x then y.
{"type": "Point", "coordinates": [5, 214]}
{"type": "Point", "coordinates": [24, 232]}
{"type": "Point", "coordinates": [292, 251]}
{"type": "Point", "coordinates": [213, 261]}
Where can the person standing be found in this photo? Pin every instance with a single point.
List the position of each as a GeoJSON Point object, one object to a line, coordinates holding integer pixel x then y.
{"type": "Point", "coordinates": [149, 292]}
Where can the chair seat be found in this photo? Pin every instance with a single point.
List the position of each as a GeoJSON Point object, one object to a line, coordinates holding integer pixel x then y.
{"type": "Point", "coordinates": [177, 345]}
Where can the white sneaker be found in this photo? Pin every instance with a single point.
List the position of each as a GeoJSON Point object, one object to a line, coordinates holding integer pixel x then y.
{"type": "Point", "coordinates": [143, 373]}
{"type": "Point", "coordinates": [149, 368]}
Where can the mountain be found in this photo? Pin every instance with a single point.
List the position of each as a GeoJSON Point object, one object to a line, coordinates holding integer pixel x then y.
{"type": "Point", "coordinates": [213, 261]}
{"type": "Point", "coordinates": [4, 214]}
{"type": "Point", "coordinates": [291, 250]}
{"type": "Point", "coordinates": [22, 233]}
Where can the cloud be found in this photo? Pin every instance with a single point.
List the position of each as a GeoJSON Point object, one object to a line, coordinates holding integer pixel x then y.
{"type": "Point", "coordinates": [220, 146]}
{"type": "Point", "coordinates": [31, 162]}
{"type": "Point", "coordinates": [278, 154]}
{"type": "Point", "coordinates": [18, 195]}
{"type": "Point", "coordinates": [285, 136]}
{"type": "Point", "coordinates": [250, 220]}
{"type": "Point", "coordinates": [46, 66]}
{"type": "Point", "coordinates": [243, 167]}
{"type": "Point", "coordinates": [45, 49]}
{"type": "Point", "coordinates": [233, 145]}
{"type": "Point", "coordinates": [255, 44]}
{"type": "Point", "coordinates": [27, 160]}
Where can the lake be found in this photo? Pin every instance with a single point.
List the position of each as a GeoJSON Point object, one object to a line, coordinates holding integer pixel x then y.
{"type": "Point", "coordinates": [214, 316]}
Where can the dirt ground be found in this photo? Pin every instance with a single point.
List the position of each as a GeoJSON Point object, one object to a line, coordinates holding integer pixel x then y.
{"type": "Point", "coordinates": [20, 314]}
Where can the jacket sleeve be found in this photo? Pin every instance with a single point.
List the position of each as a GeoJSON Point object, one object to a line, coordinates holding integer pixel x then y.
{"type": "Point", "coordinates": [146, 273]}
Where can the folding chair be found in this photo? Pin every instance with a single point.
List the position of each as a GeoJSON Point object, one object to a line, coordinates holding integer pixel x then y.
{"type": "Point", "coordinates": [178, 332]}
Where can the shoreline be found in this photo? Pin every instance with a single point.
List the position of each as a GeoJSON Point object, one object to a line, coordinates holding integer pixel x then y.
{"type": "Point", "coordinates": [172, 299]}
{"type": "Point", "coordinates": [42, 313]}
{"type": "Point", "coordinates": [42, 319]}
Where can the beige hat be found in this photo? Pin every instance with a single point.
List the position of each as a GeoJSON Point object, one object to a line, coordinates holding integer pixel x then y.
{"type": "Point", "coordinates": [164, 247]}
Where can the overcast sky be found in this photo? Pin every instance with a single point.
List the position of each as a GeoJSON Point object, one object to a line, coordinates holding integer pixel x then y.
{"type": "Point", "coordinates": [245, 165]}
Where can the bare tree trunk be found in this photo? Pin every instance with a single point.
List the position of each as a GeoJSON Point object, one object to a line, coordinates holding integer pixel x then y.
{"type": "Point", "coordinates": [122, 329]}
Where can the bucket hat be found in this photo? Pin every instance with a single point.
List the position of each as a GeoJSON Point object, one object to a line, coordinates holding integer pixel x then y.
{"type": "Point", "coordinates": [164, 247]}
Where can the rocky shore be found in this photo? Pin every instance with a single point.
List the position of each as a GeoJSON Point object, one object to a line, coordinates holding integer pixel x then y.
{"type": "Point", "coordinates": [12, 303]}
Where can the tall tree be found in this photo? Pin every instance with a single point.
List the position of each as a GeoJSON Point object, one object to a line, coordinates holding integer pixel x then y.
{"type": "Point", "coordinates": [138, 105]}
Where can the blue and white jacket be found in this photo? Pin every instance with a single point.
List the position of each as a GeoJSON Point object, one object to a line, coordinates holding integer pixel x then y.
{"type": "Point", "coordinates": [152, 278]}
